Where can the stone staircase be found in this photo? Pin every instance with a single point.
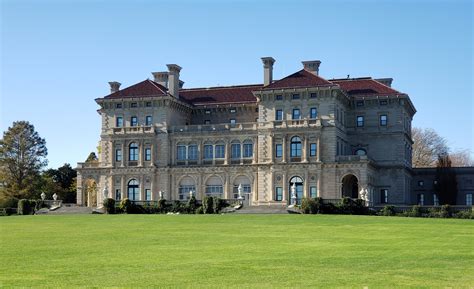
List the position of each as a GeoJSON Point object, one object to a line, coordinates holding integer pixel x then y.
{"type": "Point", "coordinates": [263, 210]}
{"type": "Point", "coordinates": [65, 210]}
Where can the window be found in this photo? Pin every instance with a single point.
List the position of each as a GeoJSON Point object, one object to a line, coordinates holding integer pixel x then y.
{"type": "Point", "coordinates": [295, 147]}
{"type": "Point", "coordinates": [118, 155]}
{"type": "Point", "coordinates": [278, 150]}
{"type": "Point", "coordinates": [313, 113]}
{"type": "Point", "coordinates": [421, 183]}
{"type": "Point", "coordinates": [118, 105]}
{"type": "Point", "coordinates": [313, 192]}
{"type": "Point", "coordinates": [181, 153]}
{"type": "Point", "coordinates": [384, 196]}
{"type": "Point", "coordinates": [383, 102]}
{"type": "Point", "coordinates": [214, 190]}
{"type": "Point", "coordinates": [295, 96]}
{"type": "Point", "coordinates": [119, 121]}
{"type": "Point", "coordinates": [360, 103]}
{"type": "Point", "coordinates": [383, 120]}
{"type": "Point", "coordinates": [279, 97]}
{"type": "Point", "coordinates": [133, 152]}
{"type": "Point", "coordinates": [183, 191]}
{"type": "Point", "coordinates": [118, 196]}
{"type": "Point", "coordinates": [133, 192]}
{"type": "Point", "coordinates": [313, 95]}
{"type": "Point", "coordinates": [278, 194]}
{"type": "Point", "coordinates": [421, 199]}
{"type": "Point", "coordinates": [435, 200]}
{"type": "Point", "coordinates": [208, 111]}
{"type": "Point", "coordinates": [233, 110]}
{"type": "Point", "coordinates": [148, 120]}
{"type": "Point", "coordinates": [192, 152]}
{"type": "Point", "coordinates": [245, 190]}
{"type": "Point", "coordinates": [147, 195]}
{"type": "Point", "coordinates": [147, 154]}
{"type": "Point", "coordinates": [133, 121]}
{"type": "Point", "coordinates": [207, 121]}
{"type": "Point", "coordinates": [279, 114]}
{"type": "Point", "coordinates": [296, 114]}
{"type": "Point", "coordinates": [468, 199]}
{"type": "Point", "coordinates": [312, 150]}
{"type": "Point", "coordinates": [248, 149]}
{"type": "Point", "coordinates": [220, 151]}
{"type": "Point", "coordinates": [148, 104]}
{"type": "Point", "coordinates": [232, 121]}
{"type": "Point", "coordinates": [360, 121]}
{"type": "Point", "coordinates": [360, 152]}
{"type": "Point", "coordinates": [235, 151]}
{"type": "Point", "coordinates": [208, 152]}
{"type": "Point", "coordinates": [133, 104]}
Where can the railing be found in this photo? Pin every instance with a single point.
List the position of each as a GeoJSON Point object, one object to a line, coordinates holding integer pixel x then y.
{"type": "Point", "coordinates": [131, 129]}
{"type": "Point", "coordinates": [297, 123]}
{"type": "Point", "coordinates": [213, 127]}
{"type": "Point", "coordinates": [351, 158]}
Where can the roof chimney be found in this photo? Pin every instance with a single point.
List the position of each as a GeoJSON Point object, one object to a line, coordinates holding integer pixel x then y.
{"type": "Point", "coordinates": [114, 86]}
{"type": "Point", "coordinates": [267, 70]}
{"type": "Point", "coordinates": [181, 83]}
{"type": "Point", "coordinates": [312, 66]}
{"type": "Point", "coordinates": [173, 79]}
{"type": "Point", "coordinates": [161, 78]}
{"type": "Point", "coordinates": [386, 81]}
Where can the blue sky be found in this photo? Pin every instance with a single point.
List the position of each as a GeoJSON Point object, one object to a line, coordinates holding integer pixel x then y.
{"type": "Point", "coordinates": [57, 57]}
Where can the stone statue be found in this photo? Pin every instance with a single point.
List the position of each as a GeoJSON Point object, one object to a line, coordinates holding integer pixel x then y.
{"type": "Point", "coordinates": [293, 191]}
{"type": "Point", "coordinates": [55, 197]}
{"type": "Point", "coordinates": [190, 194]}
{"type": "Point", "coordinates": [160, 194]}
{"type": "Point", "coordinates": [43, 196]}
{"type": "Point", "coordinates": [239, 190]}
{"type": "Point", "coordinates": [105, 192]}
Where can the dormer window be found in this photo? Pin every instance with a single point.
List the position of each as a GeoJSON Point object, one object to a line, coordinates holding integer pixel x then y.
{"type": "Point", "coordinates": [148, 104]}
{"type": "Point", "coordinates": [279, 97]}
{"type": "Point", "coordinates": [233, 110]}
{"type": "Point", "coordinates": [118, 105]}
{"type": "Point", "coordinates": [208, 111]}
{"type": "Point", "coordinates": [313, 95]}
{"type": "Point", "coordinates": [295, 96]}
{"type": "Point", "coordinates": [133, 104]}
{"type": "Point", "coordinates": [383, 102]}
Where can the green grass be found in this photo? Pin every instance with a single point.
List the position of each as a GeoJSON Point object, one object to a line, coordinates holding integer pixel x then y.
{"type": "Point", "coordinates": [239, 251]}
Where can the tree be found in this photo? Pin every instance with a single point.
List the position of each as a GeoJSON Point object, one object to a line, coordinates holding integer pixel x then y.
{"type": "Point", "coordinates": [427, 146]}
{"type": "Point", "coordinates": [461, 158]}
{"type": "Point", "coordinates": [445, 186]}
{"type": "Point", "coordinates": [61, 181]}
{"type": "Point", "coordinates": [22, 157]}
{"type": "Point", "coordinates": [92, 158]}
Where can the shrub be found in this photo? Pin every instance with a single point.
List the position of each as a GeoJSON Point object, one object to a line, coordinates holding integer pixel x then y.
{"type": "Point", "coordinates": [329, 208]}
{"type": "Point", "coordinates": [415, 211]}
{"type": "Point", "coordinates": [346, 206]}
{"type": "Point", "coordinates": [24, 207]}
{"type": "Point", "coordinates": [445, 211]}
{"type": "Point", "coordinates": [177, 207]}
{"type": "Point", "coordinates": [359, 207]}
{"type": "Point", "coordinates": [388, 211]}
{"type": "Point", "coordinates": [207, 205]}
{"type": "Point", "coordinates": [162, 207]}
{"type": "Point", "coordinates": [126, 206]}
{"type": "Point", "coordinates": [310, 205]}
{"type": "Point", "coordinates": [191, 205]}
{"type": "Point", "coordinates": [464, 215]}
{"type": "Point", "coordinates": [433, 212]}
{"type": "Point", "coordinates": [109, 206]}
{"type": "Point", "coordinates": [199, 210]}
{"type": "Point", "coordinates": [218, 204]}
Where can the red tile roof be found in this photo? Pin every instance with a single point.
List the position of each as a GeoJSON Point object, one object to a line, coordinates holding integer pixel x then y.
{"type": "Point", "coordinates": [141, 89]}
{"type": "Point", "coordinates": [364, 86]}
{"type": "Point", "coordinates": [216, 95]}
{"type": "Point", "coordinates": [302, 78]}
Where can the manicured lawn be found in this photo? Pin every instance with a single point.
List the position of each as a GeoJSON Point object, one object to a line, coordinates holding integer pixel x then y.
{"type": "Point", "coordinates": [239, 251]}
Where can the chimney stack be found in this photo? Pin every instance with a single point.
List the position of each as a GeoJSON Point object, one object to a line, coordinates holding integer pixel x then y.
{"type": "Point", "coordinates": [161, 78]}
{"type": "Point", "coordinates": [173, 79]}
{"type": "Point", "coordinates": [267, 70]}
{"type": "Point", "coordinates": [312, 66]}
{"type": "Point", "coordinates": [114, 86]}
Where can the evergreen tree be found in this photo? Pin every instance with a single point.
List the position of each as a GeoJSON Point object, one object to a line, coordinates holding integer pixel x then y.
{"type": "Point", "coordinates": [446, 186]}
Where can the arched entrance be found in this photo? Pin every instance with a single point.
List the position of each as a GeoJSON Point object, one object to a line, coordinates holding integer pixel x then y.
{"type": "Point", "coordinates": [133, 190]}
{"type": "Point", "coordinates": [350, 187]}
{"type": "Point", "coordinates": [91, 193]}
{"type": "Point", "coordinates": [297, 182]}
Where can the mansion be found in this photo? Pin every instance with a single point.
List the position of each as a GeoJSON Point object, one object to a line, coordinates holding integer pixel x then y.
{"type": "Point", "coordinates": [318, 137]}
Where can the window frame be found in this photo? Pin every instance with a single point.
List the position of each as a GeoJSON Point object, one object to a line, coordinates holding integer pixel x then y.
{"type": "Point", "coordinates": [383, 196]}
{"type": "Point", "coordinates": [147, 154]}
{"type": "Point", "coordinates": [360, 121]}
{"type": "Point", "coordinates": [293, 114]}
{"type": "Point", "coordinates": [313, 115]}
{"type": "Point", "coordinates": [148, 120]}
{"type": "Point", "coordinates": [118, 155]}
{"type": "Point", "coordinates": [295, 147]}
{"type": "Point", "coordinates": [279, 114]}
{"type": "Point", "coordinates": [278, 194]}
{"type": "Point", "coordinates": [133, 121]}
{"type": "Point", "coordinates": [313, 149]}
{"type": "Point", "coordinates": [133, 153]}
{"type": "Point", "coordinates": [119, 121]}
{"type": "Point", "coordinates": [278, 150]}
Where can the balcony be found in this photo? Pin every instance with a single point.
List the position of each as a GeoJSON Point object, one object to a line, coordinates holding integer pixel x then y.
{"type": "Point", "coordinates": [297, 123]}
{"type": "Point", "coordinates": [88, 165]}
{"type": "Point", "coordinates": [213, 127]}
{"type": "Point", "coordinates": [131, 130]}
{"type": "Point", "coordinates": [351, 158]}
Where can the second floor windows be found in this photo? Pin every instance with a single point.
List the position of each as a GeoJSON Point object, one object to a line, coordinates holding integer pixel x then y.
{"type": "Point", "coordinates": [383, 120]}
{"type": "Point", "coordinates": [133, 121]}
{"type": "Point", "coordinates": [133, 152]}
{"type": "Point", "coordinates": [279, 114]}
{"type": "Point", "coordinates": [313, 113]}
{"type": "Point", "coordinates": [295, 147]}
{"type": "Point", "coordinates": [248, 149]}
{"type": "Point", "coordinates": [296, 114]}
{"type": "Point", "coordinates": [278, 150]}
{"type": "Point", "coordinates": [235, 151]}
{"type": "Point", "coordinates": [148, 120]}
{"type": "Point", "coordinates": [119, 121]}
{"type": "Point", "coordinates": [360, 121]}
{"type": "Point", "coordinates": [312, 150]}
{"type": "Point", "coordinates": [208, 152]}
{"type": "Point", "coordinates": [118, 155]}
{"type": "Point", "coordinates": [220, 151]}
{"type": "Point", "coordinates": [147, 154]}
{"type": "Point", "coordinates": [192, 152]}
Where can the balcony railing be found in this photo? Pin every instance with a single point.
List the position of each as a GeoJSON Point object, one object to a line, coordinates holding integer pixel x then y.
{"type": "Point", "coordinates": [297, 123]}
{"type": "Point", "coordinates": [131, 130]}
{"type": "Point", "coordinates": [213, 127]}
{"type": "Point", "coordinates": [351, 158]}
{"type": "Point", "coordinates": [93, 164]}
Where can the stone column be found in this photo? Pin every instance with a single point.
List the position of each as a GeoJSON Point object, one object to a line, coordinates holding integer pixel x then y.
{"type": "Point", "coordinates": [284, 181]}
{"type": "Point", "coordinates": [141, 153]}
{"type": "Point", "coordinates": [318, 151]}
{"type": "Point", "coordinates": [283, 159]}
{"type": "Point", "coordinates": [123, 188]}
{"type": "Point", "coordinates": [305, 149]}
{"type": "Point", "coordinates": [142, 188]}
{"type": "Point", "coordinates": [226, 153]}
{"type": "Point", "coordinates": [200, 152]}
{"type": "Point", "coordinates": [306, 184]}
{"type": "Point", "coordinates": [122, 163]}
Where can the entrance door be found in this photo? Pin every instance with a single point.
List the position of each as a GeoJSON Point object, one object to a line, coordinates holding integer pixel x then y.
{"type": "Point", "coordinates": [133, 191]}
{"type": "Point", "coordinates": [297, 184]}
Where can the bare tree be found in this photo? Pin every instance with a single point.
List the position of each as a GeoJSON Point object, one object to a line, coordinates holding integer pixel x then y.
{"type": "Point", "coordinates": [461, 158]}
{"type": "Point", "coordinates": [427, 146]}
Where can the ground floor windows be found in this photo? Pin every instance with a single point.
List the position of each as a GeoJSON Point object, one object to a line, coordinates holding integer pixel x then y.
{"type": "Point", "coordinates": [183, 191]}
{"type": "Point", "coordinates": [435, 200]}
{"type": "Point", "coordinates": [278, 194]}
{"type": "Point", "coordinates": [147, 195]}
{"type": "Point", "coordinates": [313, 192]}
{"type": "Point", "coordinates": [118, 195]}
{"type": "Point", "coordinates": [468, 199]}
{"type": "Point", "coordinates": [214, 191]}
{"type": "Point", "coordinates": [384, 196]}
{"type": "Point", "coordinates": [133, 191]}
{"type": "Point", "coordinates": [245, 190]}
{"type": "Point", "coordinates": [421, 199]}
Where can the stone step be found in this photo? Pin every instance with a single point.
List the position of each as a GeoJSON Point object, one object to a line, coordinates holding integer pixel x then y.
{"type": "Point", "coordinates": [65, 211]}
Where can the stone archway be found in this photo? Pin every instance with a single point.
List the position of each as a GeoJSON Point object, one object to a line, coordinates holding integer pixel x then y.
{"type": "Point", "coordinates": [90, 193]}
{"type": "Point", "coordinates": [350, 186]}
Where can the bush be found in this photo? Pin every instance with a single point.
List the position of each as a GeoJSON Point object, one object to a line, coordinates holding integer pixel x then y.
{"type": "Point", "coordinates": [26, 207]}
{"type": "Point", "coordinates": [162, 207]}
{"type": "Point", "coordinates": [208, 205]}
{"type": "Point", "coordinates": [9, 203]}
{"type": "Point", "coordinates": [310, 206]}
{"type": "Point", "coordinates": [109, 206]}
{"type": "Point", "coordinates": [329, 208]}
{"type": "Point", "coordinates": [464, 215]}
{"type": "Point", "coordinates": [177, 207]}
{"type": "Point", "coordinates": [445, 211]}
{"type": "Point", "coordinates": [199, 210]}
{"type": "Point", "coordinates": [218, 204]}
{"type": "Point", "coordinates": [191, 205]}
{"type": "Point", "coordinates": [388, 211]}
{"type": "Point", "coordinates": [126, 206]}
{"type": "Point", "coordinates": [415, 211]}
{"type": "Point", "coordinates": [433, 212]}
{"type": "Point", "coordinates": [346, 206]}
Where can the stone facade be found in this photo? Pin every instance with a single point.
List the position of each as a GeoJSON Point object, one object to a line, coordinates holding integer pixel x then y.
{"type": "Point", "coordinates": [331, 138]}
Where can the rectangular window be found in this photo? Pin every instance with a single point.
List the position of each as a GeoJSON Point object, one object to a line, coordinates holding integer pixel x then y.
{"type": "Point", "coordinates": [133, 121]}
{"type": "Point", "coordinates": [183, 191]}
{"type": "Point", "coordinates": [313, 192]}
{"type": "Point", "coordinates": [181, 153]}
{"type": "Point", "coordinates": [296, 114]}
{"type": "Point", "coordinates": [118, 105]}
{"type": "Point", "coordinates": [208, 152]}
{"type": "Point", "coordinates": [421, 199]}
{"type": "Point", "coordinates": [383, 102]}
{"type": "Point", "coordinates": [435, 200]}
{"type": "Point", "coordinates": [148, 104]}
{"type": "Point", "coordinates": [468, 199]}
{"type": "Point", "coordinates": [360, 103]}
{"type": "Point", "coordinates": [313, 113]}
{"type": "Point", "coordinates": [133, 152]}
{"type": "Point", "coordinates": [360, 121]}
{"type": "Point", "coordinates": [384, 196]}
{"type": "Point", "coordinates": [207, 121]}
{"type": "Point", "coordinates": [118, 196]}
{"type": "Point", "coordinates": [313, 95]}
{"type": "Point", "coordinates": [295, 96]}
{"type": "Point", "coordinates": [192, 152]}
{"type": "Point", "coordinates": [147, 195]}
{"type": "Point", "coordinates": [278, 194]}
{"type": "Point", "coordinates": [232, 121]}
{"type": "Point", "coordinates": [279, 114]}
{"type": "Point", "coordinates": [133, 104]}
{"type": "Point", "coordinates": [147, 154]}
{"type": "Point", "coordinates": [148, 120]}
{"type": "Point", "coordinates": [208, 111]}
{"type": "Point", "coordinates": [248, 150]}
{"type": "Point", "coordinates": [235, 151]}
{"type": "Point", "coordinates": [279, 97]}
{"type": "Point", "coordinates": [118, 155]}
{"type": "Point", "coordinates": [233, 110]}
{"type": "Point", "coordinates": [119, 121]}
{"type": "Point", "coordinates": [220, 151]}
{"type": "Point", "coordinates": [312, 150]}
{"type": "Point", "coordinates": [383, 120]}
{"type": "Point", "coordinates": [278, 150]}
{"type": "Point", "coordinates": [420, 183]}
{"type": "Point", "coordinates": [214, 191]}
{"type": "Point", "coordinates": [245, 190]}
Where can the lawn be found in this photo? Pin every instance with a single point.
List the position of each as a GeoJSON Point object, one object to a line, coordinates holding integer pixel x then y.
{"type": "Point", "coordinates": [237, 251]}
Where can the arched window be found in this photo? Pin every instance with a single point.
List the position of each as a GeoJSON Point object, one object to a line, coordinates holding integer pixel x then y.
{"type": "Point", "coordinates": [235, 149]}
{"type": "Point", "coordinates": [248, 148]}
{"type": "Point", "coordinates": [133, 152]}
{"type": "Point", "coordinates": [185, 186]}
{"type": "Point", "coordinates": [133, 191]}
{"type": "Point", "coordinates": [295, 146]}
{"type": "Point", "coordinates": [360, 152]}
{"type": "Point", "coordinates": [214, 187]}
